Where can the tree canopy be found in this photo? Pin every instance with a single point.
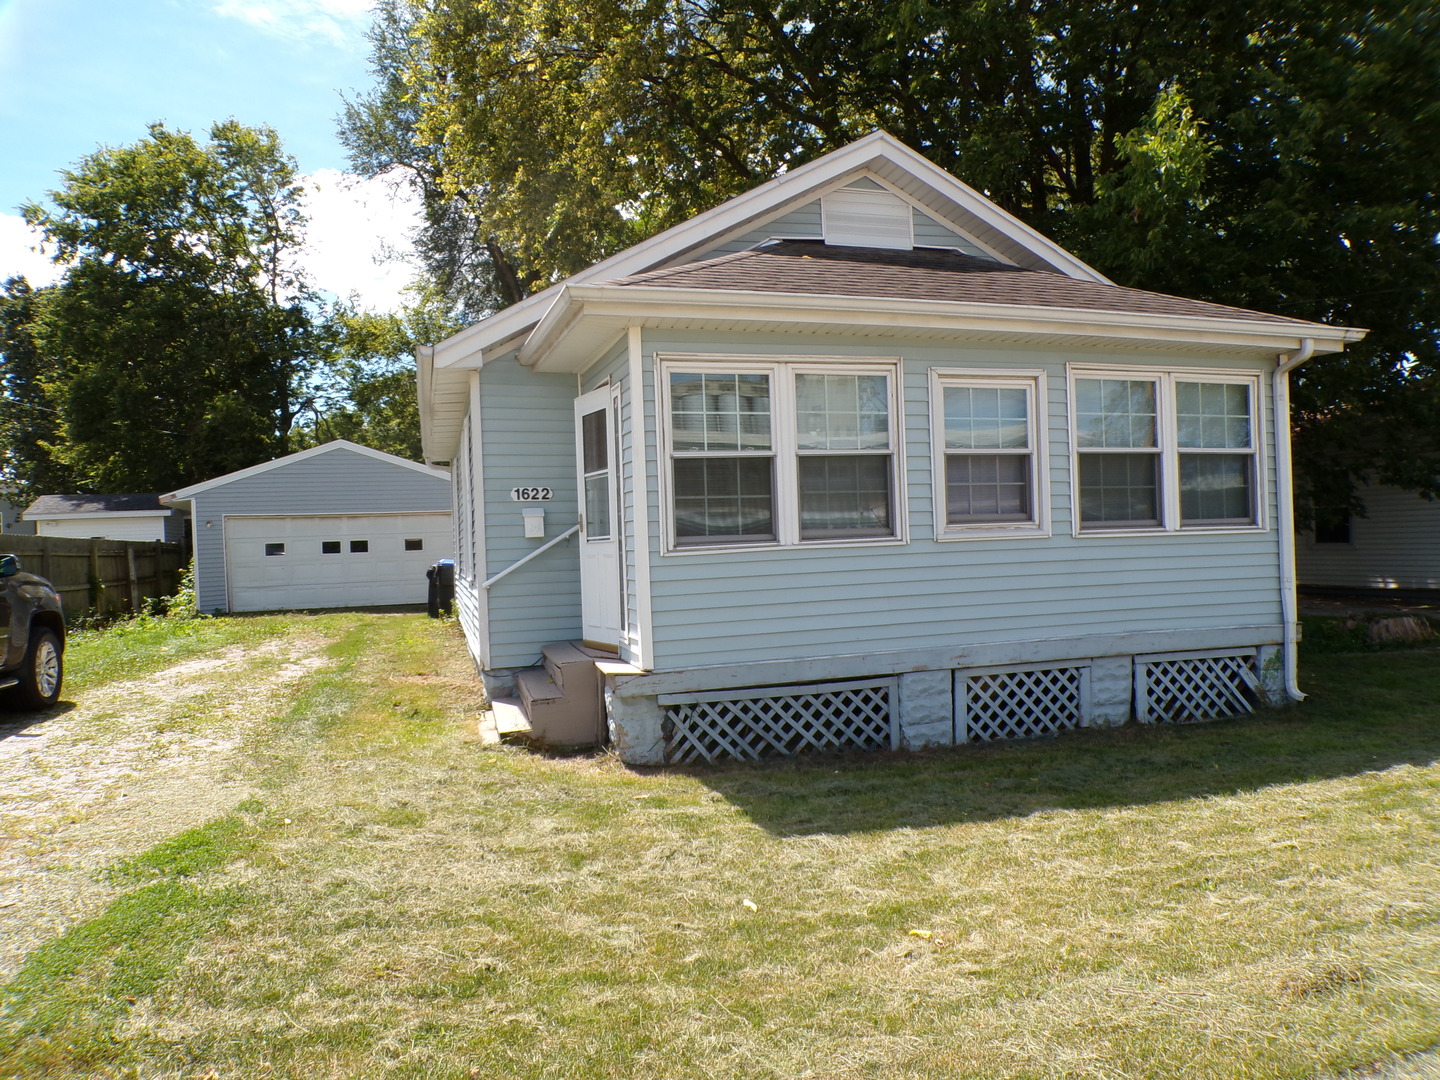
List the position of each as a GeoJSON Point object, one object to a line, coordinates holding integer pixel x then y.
{"type": "Point", "coordinates": [178, 335]}
{"type": "Point", "coordinates": [1279, 156]}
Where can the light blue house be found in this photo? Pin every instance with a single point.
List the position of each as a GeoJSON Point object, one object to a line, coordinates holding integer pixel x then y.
{"type": "Point", "coordinates": [857, 459]}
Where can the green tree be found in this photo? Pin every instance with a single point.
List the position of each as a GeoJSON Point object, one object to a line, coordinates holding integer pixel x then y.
{"type": "Point", "coordinates": [29, 426]}
{"type": "Point", "coordinates": [179, 334]}
{"type": "Point", "coordinates": [1280, 156]}
{"type": "Point", "coordinates": [365, 387]}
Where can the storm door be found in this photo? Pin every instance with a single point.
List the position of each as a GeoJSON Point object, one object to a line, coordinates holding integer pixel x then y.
{"type": "Point", "coordinates": [599, 523]}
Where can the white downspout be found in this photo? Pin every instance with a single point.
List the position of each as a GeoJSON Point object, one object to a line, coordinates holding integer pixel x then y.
{"type": "Point", "coordinates": [1285, 505]}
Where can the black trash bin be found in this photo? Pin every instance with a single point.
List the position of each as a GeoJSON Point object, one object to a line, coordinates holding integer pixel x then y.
{"type": "Point", "coordinates": [442, 588]}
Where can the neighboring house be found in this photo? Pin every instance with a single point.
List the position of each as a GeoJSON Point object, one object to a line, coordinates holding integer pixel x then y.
{"type": "Point", "coordinates": [114, 517]}
{"type": "Point", "coordinates": [10, 518]}
{"type": "Point", "coordinates": [859, 459]}
{"type": "Point", "coordinates": [337, 525]}
{"type": "Point", "coordinates": [1396, 545]}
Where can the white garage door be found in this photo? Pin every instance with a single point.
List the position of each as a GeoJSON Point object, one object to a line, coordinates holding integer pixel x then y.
{"type": "Point", "coordinates": [371, 560]}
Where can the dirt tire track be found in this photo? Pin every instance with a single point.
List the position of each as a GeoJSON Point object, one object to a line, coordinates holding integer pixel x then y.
{"type": "Point", "coordinates": [128, 765]}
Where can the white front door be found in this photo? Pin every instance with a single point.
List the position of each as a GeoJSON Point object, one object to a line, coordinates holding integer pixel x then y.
{"type": "Point", "coordinates": [599, 523]}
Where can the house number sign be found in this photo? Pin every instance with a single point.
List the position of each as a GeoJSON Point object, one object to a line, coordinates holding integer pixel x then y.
{"type": "Point", "coordinates": [531, 494]}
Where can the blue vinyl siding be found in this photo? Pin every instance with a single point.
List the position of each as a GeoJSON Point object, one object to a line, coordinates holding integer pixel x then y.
{"type": "Point", "coordinates": [774, 604]}
{"type": "Point", "coordinates": [338, 481]}
{"type": "Point", "coordinates": [527, 432]}
{"type": "Point", "coordinates": [930, 233]}
{"type": "Point", "coordinates": [802, 223]}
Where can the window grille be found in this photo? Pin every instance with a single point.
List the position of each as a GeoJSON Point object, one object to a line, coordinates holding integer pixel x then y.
{"type": "Point", "coordinates": [779, 721]}
{"type": "Point", "coordinates": [1019, 703]}
{"type": "Point", "coordinates": [1178, 687]}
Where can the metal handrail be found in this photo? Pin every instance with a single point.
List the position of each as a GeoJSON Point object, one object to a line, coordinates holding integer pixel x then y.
{"type": "Point", "coordinates": [538, 551]}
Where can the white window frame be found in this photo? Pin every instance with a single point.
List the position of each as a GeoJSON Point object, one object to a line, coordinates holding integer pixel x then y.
{"type": "Point", "coordinates": [1032, 381]}
{"type": "Point", "coordinates": [784, 443]}
{"type": "Point", "coordinates": [1167, 435]}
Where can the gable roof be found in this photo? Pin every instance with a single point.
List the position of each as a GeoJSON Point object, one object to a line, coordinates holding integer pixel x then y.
{"type": "Point", "coordinates": [55, 506]}
{"type": "Point", "coordinates": [879, 155]}
{"type": "Point", "coordinates": [185, 494]}
{"type": "Point", "coordinates": [807, 267]}
{"type": "Point", "coordinates": [1032, 289]}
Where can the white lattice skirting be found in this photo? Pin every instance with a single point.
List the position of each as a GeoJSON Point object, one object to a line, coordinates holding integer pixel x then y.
{"type": "Point", "coordinates": [1019, 703]}
{"type": "Point", "coordinates": [1180, 687]}
{"type": "Point", "coordinates": [780, 721]}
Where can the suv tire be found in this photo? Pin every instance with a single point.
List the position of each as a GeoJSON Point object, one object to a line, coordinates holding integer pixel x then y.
{"type": "Point", "coordinates": [42, 673]}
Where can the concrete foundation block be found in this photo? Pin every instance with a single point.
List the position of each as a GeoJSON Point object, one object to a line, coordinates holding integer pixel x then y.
{"type": "Point", "coordinates": [927, 709]}
{"type": "Point", "coordinates": [1271, 662]}
{"type": "Point", "coordinates": [1112, 687]}
{"type": "Point", "coordinates": [635, 727]}
{"type": "Point", "coordinates": [499, 684]}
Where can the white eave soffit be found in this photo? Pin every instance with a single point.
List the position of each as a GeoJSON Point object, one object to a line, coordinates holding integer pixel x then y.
{"type": "Point", "coordinates": [878, 156]}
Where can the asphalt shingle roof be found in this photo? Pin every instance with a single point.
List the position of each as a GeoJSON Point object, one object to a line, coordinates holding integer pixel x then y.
{"type": "Point", "coordinates": [814, 268]}
{"type": "Point", "coordinates": [92, 504]}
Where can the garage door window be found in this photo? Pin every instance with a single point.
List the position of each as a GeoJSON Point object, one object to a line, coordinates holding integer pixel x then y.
{"type": "Point", "coordinates": [359, 546]}
{"type": "Point", "coordinates": [274, 549]}
{"type": "Point", "coordinates": [414, 545]}
{"type": "Point", "coordinates": [329, 547]}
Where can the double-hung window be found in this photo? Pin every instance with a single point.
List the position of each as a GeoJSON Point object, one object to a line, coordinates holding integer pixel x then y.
{"type": "Point", "coordinates": [989, 465]}
{"type": "Point", "coordinates": [784, 452]}
{"type": "Point", "coordinates": [1166, 451]}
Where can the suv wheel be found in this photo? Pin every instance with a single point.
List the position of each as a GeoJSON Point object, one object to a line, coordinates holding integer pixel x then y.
{"type": "Point", "coordinates": [42, 673]}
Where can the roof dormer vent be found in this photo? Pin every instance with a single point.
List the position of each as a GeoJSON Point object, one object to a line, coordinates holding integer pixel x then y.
{"type": "Point", "coordinates": [874, 219]}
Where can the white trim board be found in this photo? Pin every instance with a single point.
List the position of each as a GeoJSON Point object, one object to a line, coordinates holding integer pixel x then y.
{"type": "Point", "coordinates": [188, 493]}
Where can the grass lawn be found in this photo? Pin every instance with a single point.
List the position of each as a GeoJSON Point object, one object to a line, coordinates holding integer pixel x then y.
{"type": "Point", "coordinates": [393, 899]}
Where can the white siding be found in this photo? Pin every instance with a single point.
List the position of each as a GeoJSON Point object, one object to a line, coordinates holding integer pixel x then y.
{"type": "Point", "coordinates": [110, 526]}
{"type": "Point", "coordinates": [1395, 546]}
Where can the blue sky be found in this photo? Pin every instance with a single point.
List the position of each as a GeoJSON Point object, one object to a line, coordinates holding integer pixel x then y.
{"type": "Point", "coordinates": [77, 74]}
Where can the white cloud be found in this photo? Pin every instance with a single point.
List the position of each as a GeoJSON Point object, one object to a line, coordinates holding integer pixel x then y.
{"type": "Point", "coordinates": [337, 21]}
{"type": "Point", "coordinates": [358, 242]}
{"type": "Point", "coordinates": [359, 237]}
{"type": "Point", "coordinates": [19, 253]}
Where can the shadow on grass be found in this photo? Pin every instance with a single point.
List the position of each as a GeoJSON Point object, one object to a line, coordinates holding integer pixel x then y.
{"type": "Point", "coordinates": [1364, 713]}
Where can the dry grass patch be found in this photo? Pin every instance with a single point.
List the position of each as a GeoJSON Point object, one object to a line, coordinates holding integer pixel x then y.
{"type": "Point", "coordinates": [1253, 899]}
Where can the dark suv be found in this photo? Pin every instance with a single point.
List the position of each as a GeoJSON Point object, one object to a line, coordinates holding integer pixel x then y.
{"type": "Point", "coordinates": [32, 638]}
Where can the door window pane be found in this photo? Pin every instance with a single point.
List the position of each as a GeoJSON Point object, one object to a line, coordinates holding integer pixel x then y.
{"type": "Point", "coordinates": [723, 498]}
{"type": "Point", "coordinates": [329, 547]}
{"type": "Point", "coordinates": [595, 451]}
{"type": "Point", "coordinates": [597, 506]}
{"type": "Point", "coordinates": [845, 496]}
{"type": "Point", "coordinates": [719, 413]}
{"type": "Point", "coordinates": [359, 547]}
{"type": "Point", "coordinates": [1119, 489]}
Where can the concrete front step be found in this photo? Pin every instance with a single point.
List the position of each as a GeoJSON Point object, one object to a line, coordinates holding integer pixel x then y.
{"type": "Point", "coordinates": [571, 666]}
{"type": "Point", "coordinates": [505, 722]}
{"type": "Point", "coordinates": [558, 718]}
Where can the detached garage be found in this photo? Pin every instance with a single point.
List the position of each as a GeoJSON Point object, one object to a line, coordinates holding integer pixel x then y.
{"type": "Point", "coordinates": [339, 525]}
